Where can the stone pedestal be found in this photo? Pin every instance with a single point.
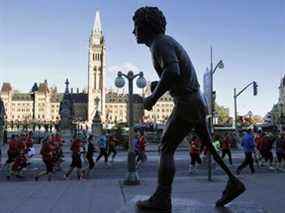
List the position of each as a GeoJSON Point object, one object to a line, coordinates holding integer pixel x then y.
{"type": "Point", "coordinates": [66, 134]}
{"type": "Point", "coordinates": [97, 126]}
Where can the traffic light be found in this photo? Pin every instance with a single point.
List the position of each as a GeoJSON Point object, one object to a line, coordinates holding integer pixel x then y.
{"type": "Point", "coordinates": [254, 88]}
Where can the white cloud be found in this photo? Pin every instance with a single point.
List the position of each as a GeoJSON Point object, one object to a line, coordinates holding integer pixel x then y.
{"type": "Point", "coordinates": [125, 67]}
{"type": "Point", "coordinates": [112, 71]}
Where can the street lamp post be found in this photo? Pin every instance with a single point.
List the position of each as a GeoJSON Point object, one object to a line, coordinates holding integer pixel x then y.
{"type": "Point", "coordinates": [132, 177]}
{"type": "Point", "coordinates": [213, 69]}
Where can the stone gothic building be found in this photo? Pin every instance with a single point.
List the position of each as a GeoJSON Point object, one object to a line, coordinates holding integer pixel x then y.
{"type": "Point", "coordinates": [277, 114]}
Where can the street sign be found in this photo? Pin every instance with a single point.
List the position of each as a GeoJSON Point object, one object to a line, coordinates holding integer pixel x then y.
{"type": "Point", "coordinates": [207, 81]}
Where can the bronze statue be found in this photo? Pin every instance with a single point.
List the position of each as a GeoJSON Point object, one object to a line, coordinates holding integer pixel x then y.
{"type": "Point", "coordinates": [178, 76]}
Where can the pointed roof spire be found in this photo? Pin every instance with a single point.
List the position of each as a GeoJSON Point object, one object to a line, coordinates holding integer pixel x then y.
{"type": "Point", "coordinates": [66, 86]}
{"type": "Point", "coordinates": [97, 23]}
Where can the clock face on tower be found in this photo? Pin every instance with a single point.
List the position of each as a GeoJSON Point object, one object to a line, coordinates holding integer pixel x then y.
{"type": "Point", "coordinates": [96, 41]}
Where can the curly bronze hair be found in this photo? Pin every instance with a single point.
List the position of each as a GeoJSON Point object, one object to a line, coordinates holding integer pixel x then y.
{"type": "Point", "coordinates": [150, 17]}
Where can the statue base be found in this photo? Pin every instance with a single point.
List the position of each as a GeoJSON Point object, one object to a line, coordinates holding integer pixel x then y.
{"type": "Point", "coordinates": [66, 134]}
{"type": "Point", "coordinates": [191, 206]}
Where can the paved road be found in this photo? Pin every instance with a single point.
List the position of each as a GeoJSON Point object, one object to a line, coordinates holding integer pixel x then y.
{"type": "Point", "coordinates": [104, 193]}
{"type": "Point", "coordinates": [119, 167]}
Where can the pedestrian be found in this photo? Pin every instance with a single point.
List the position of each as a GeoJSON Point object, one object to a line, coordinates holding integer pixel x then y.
{"type": "Point", "coordinates": [0, 156]}
{"type": "Point", "coordinates": [102, 143]}
{"type": "Point", "coordinates": [47, 152]}
{"type": "Point", "coordinates": [217, 143]}
{"type": "Point", "coordinates": [258, 142]}
{"type": "Point", "coordinates": [12, 152]}
{"type": "Point", "coordinates": [29, 140]}
{"type": "Point", "coordinates": [112, 143]}
{"type": "Point", "coordinates": [76, 158]}
{"type": "Point", "coordinates": [194, 151]}
{"type": "Point", "coordinates": [280, 150]}
{"type": "Point", "coordinates": [135, 142]}
{"type": "Point", "coordinates": [21, 144]}
{"type": "Point", "coordinates": [226, 148]}
{"type": "Point", "coordinates": [248, 146]}
{"type": "Point", "coordinates": [89, 155]}
{"type": "Point", "coordinates": [17, 166]}
{"type": "Point", "coordinates": [266, 151]}
{"type": "Point", "coordinates": [141, 153]}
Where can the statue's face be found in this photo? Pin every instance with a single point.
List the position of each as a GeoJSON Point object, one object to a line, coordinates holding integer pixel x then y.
{"type": "Point", "coordinates": [139, 33]}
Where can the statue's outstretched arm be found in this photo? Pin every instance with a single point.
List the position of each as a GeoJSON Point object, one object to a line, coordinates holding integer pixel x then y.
{"type": "Point", "coordinates": [168, 79]}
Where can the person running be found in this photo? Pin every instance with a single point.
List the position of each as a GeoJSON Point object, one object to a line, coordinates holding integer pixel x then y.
{"type": "Point", "coordinates": [112, 142]}
{"type": "Point", "coordinates": [141, 153]}
{"type": "Point", "coordinates": [258, 142]}
{"type": "Point", "coordinates": [102, 143]}
{"type": "Point", "coordinates": [89, 155]}
{"type": "Point", "coordinates": [17, 166]}
{"type": "Point", "coordinates": [76, 158]}
{"type": "Point", "coordinates": [217, 143]}
{"type": "Point", "coordinates": [29, 140]}
{"type": "Point", "coordinates": [248, 146]}
{"type": "Point", "coordinates": [0, 156]}
{"type": "Point", "coordinates": [47, 152]}
{"type": "Point", "coordinates": [280, 150]}
{"type": "Point", "coordinates": [12, 151]}
{"type": "Point", "coordinates": [217, 146]}
{"type": "Point", "coordinates": [21, 144]}
{"type": "Point", "coordinates": [266, 151]}
{"type": "Point", "coordinates": [194, 150]}
{"type": "Point", "coordinates": [226, 148]}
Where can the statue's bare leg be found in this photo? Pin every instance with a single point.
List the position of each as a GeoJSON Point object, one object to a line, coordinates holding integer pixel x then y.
{"type": "Point", "coordinates": [175, 131]}
{"type": "Point", "coordinates": [234, 186]}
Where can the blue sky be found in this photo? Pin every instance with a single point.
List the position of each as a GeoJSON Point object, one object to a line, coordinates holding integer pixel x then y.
{"type": "Point", "coordinates": [48, 39]}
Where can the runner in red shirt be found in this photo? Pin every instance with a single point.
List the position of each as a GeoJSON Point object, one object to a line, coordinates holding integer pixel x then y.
{"type": "Point", "coordinates": [141, 149]}
{"type": "Point", "coordinates": [226, 148]}
{"type": "Point", "coordinates": [12, 151]}
{"type": "Point", "coordinates": [17, 166]}
{"type": "Point", "coordinates": [29, 140]}
{"type": "Point", "coordinates": [194, 150]}
{"type": "Point", "coordinates": [47, 152]}
{"type": "Point", "coordinates": [22, 144]}
{"type": "Point", "coordinates": [76, 158]}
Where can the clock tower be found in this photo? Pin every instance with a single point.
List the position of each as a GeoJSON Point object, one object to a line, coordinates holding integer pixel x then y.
{"type": "Point", "coordinates": [96, 71]}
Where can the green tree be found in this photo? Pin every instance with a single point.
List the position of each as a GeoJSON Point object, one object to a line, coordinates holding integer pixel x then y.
{"type": "Point", "coordinates": [223, 115]}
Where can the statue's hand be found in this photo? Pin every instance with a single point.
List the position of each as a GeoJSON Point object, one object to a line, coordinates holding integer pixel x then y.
{"type": "Point", "coordinates": [148, 103]}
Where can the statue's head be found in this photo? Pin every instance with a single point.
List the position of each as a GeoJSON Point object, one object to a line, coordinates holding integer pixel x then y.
{"type": "Point", "coordinates": [148, 22]}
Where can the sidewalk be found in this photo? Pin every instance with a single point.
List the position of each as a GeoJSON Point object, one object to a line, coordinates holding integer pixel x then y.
{"type": "Point", "coordinates": [264, 194]}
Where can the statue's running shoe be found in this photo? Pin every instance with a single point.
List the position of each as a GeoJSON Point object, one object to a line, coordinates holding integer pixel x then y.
{"type": "Point", "coordinates": [233, 189]}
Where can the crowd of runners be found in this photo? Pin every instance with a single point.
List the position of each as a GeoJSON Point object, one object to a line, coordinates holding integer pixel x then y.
{"type": "Point", "coordinates": [20, 151]}
{"type": "Point", "coordinates": [260, 149]}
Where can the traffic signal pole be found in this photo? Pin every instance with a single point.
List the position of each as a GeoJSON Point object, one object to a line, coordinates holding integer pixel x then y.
{"type": "Point", "coordinates": [238, 94]}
